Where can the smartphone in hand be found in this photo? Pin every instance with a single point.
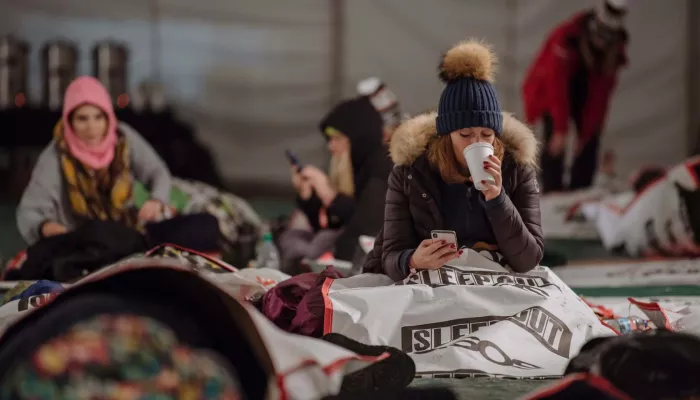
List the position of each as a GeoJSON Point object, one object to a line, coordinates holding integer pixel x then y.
{"type": "Point", "coordinates": [293, 160]}
{"type": "Point", "coordinates": [450, 237]}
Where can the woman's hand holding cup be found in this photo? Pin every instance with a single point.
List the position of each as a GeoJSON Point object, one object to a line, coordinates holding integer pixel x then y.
{"type": "Point", "coordinates": [485, 169]}
{"type": "Point", "coordinates": [492, 165]}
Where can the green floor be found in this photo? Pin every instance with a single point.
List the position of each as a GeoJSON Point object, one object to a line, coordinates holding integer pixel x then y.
{"type": "Point", "coordinates": [485, 388]}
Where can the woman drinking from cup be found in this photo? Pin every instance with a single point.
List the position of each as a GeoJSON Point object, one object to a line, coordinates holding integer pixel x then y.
{"type": "Point", "coordinates": [469, 168]}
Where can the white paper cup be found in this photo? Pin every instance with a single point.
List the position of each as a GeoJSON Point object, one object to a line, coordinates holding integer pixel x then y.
{"type": "Point", "coordinates": [475, 155]}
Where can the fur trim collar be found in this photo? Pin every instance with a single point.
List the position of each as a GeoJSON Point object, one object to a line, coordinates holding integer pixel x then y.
{"type": "Point", "coordinates": [411, 138]}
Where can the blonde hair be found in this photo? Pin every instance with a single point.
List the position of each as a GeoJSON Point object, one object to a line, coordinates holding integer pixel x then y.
{"type": "Point", "coordinates": [341, 175]}
{"type": "Point", "coordinates": [441, 156]}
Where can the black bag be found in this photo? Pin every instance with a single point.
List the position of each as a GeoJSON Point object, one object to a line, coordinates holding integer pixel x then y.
{"type": "Point", "coordinates": [91, 246]}
{"type": "Point", "coordinates": [657, 364]}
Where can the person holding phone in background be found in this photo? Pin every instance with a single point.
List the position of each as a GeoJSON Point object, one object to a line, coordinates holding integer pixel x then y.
{"type": "Point", "coordinates": [431, 187]}
{"type": "Point", "coordinates": [349, 200]}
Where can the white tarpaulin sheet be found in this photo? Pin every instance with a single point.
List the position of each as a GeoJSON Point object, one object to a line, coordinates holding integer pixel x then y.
{"type": "Point", "coordinates": [661, 220]}
{"type": "Point", "coordinates": [677, 313]}
{"type": "Point", "coordinates": [463, 321]}
{"type": "Point", "coordinates": [634, 273]}
{"type": "Point", "coordinates": [562, 214]}
{"type": "Point", "coordinates": [306, 368]}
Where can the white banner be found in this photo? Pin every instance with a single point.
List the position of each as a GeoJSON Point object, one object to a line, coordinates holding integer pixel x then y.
{"type": "Point", "coordinates": [307, 368]}
{"type": "Point", "coordinates": [632, 273]}
{"type": "Point", "coordinates": [662, 220]}
{"type": "Point", "coordinates": [463, 321]}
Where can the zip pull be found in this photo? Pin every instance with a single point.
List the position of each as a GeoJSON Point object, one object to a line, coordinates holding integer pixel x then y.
{"type": "Point", "coordinates": [469, 196]}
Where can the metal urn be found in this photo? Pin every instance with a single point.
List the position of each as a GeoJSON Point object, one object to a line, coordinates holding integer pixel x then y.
{"type": "Point", "coordinates": [59, 62]}
{"type": "Point", "coordinates": [110, 62]}
{"type": "Point", "coordinates": [14, 68]}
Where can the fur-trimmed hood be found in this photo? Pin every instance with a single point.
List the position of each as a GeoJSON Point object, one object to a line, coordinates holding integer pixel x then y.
{"type": "Point", "coordinates": [411, 139]}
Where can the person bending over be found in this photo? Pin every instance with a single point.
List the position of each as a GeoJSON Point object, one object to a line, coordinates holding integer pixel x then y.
{"type": "Point", "coordinates": [573, 78]}
{"type": "Point", "coordinates": [431, 186]}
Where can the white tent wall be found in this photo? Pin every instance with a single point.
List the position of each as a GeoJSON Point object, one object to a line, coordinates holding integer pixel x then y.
{"type": "Point", "coordinates": [263, 83]}
{"type": "Point", "coordinates": [693, 73]}
{"type": "Point", "coordinates": [255, 76]}
{"type": "Point", "coordinates": [401, 41]}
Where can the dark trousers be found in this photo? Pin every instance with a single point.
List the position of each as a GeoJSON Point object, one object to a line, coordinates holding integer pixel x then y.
{"type": "Point", "coordinates": [582, 171]}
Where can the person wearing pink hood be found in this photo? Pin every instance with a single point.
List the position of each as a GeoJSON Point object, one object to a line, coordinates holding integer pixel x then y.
{"type": "Point", "coordinates": [88, 169]}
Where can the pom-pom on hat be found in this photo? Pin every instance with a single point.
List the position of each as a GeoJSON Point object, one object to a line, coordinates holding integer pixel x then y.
{"type": "Point", "coordinates": [469, 98]}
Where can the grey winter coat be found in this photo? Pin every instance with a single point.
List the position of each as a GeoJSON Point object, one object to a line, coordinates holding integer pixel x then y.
{"type": "Point", "coordinates": [45, 198]}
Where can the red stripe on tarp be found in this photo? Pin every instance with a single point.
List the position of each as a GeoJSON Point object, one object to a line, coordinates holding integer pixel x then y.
{"type": "Point", "coordinates": [328, 306]}
{"type": "Point", "coordinates": [209, 258]}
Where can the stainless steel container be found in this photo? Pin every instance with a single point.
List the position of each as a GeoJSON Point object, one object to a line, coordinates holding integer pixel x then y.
{"type": "Point", "coordinates": [59, 69]}
{"type": "Point", "coordinates": [110, 62]}
{"type": "Point", "coordinates": [14, 72]}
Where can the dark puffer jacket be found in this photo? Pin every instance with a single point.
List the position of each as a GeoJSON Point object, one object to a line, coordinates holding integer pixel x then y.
{"type": "Point", "coordinates": [412, 207]}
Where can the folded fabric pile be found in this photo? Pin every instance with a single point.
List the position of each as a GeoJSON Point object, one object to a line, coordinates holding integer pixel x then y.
{"type": "Point", "coordinates": [236, 217]}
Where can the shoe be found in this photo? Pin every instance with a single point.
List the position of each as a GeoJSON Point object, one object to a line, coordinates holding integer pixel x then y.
{"type": "Point", "coordinates": [384, 379]}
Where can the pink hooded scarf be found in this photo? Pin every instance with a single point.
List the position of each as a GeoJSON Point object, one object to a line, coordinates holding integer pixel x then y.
{"type": "Point", "coordinates": [88, 90]}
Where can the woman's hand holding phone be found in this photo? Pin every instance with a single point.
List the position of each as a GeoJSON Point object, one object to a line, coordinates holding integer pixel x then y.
{"type": "Point", "coordinates": [433, 254]}
{"type": "Point", "coordinates": [320, 183]}
{"type": "Point", "coordinates": [301, 186]}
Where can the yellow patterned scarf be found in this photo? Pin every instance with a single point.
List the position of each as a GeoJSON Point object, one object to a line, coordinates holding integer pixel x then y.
{"type": "Point", "coordinates": [103, 194]}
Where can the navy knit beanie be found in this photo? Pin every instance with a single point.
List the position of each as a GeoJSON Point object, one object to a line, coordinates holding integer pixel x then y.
{"type": "Point", "coordinates": [469, 98]}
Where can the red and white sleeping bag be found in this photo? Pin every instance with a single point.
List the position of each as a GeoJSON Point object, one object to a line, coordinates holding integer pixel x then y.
{"type": "Point", "coordinates": [662, 219]}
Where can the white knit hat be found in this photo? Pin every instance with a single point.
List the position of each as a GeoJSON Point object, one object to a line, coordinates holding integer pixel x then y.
{"type": "Point", "coordinates": [611, 13]}
{"type": "Point", "coordinates": [383, 99]}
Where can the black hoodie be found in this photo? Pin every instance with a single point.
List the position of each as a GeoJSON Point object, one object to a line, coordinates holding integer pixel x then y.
{"type": "Point", "coordinates": [362, 214]}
